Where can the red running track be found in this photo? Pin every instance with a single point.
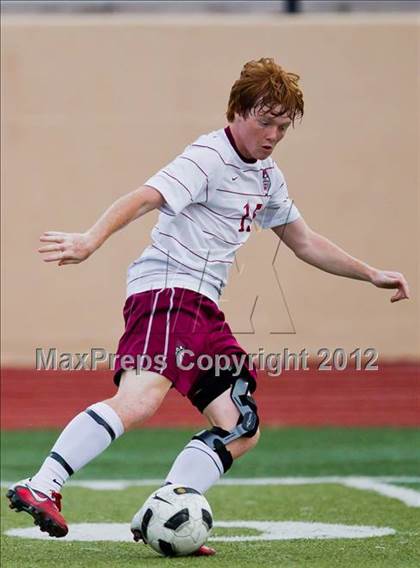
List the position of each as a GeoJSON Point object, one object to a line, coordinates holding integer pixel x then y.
{"type": "Point", "coordinates": [388, 397]}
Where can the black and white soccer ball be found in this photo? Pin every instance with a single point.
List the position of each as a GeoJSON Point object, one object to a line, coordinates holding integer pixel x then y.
{"type": "Point", "coordinates": [175, 520]}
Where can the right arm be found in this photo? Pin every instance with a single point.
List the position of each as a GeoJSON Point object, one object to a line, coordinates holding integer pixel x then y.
{"type": "Point", "coordinates": [72, 248]}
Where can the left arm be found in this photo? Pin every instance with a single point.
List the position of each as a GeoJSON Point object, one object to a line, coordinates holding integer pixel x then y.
{"type": "Point", "coordinates": [318, 251]}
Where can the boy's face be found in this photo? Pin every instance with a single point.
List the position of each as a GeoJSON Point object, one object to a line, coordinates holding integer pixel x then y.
{"type": "Point", "coordinates": [258, 134]}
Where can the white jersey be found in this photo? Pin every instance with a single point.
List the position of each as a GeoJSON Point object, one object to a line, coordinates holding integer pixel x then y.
{"type": "Point", "coordinates": [212, 196]}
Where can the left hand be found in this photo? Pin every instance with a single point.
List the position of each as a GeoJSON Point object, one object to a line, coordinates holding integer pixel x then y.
{"type": "Point", "coordinates": [389, 279]}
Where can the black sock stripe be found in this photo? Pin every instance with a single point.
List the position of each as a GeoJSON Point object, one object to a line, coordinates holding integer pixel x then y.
{"type": "Point", "coordinates": [62, 462]}
{"type": "Point", "coordinates": [102, 422]}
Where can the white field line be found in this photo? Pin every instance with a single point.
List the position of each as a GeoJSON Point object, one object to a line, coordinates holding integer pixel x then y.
{"type": "Point", "coordinates": [269, 530]}
{"type": "Point", "coordinates": [381, 485]}
{"type": "Point", "coordinates": [118, 484]}
{"type": "Point", "coordinates": [406, 495]}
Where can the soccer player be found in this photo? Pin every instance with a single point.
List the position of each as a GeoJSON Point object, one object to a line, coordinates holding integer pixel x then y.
{"type": "Point", "coordinates": [208, 198]}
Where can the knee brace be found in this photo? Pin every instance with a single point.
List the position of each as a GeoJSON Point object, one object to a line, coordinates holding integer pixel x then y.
{"type": "Point", "coordinates": [209, 386]}
{"type": "Point", "coordinates": [218, 438]}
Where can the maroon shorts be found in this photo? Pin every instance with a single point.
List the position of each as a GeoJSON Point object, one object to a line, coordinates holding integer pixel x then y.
{"type": "Point", "coordinates": [177, 333]}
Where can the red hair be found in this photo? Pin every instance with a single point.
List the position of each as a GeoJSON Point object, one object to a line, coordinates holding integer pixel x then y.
{"type": "Point", "coordinates": [265, 85]}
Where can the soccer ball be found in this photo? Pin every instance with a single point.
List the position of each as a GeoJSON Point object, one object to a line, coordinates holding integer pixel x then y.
{"type": "Point", "coordinates": [175, 520]}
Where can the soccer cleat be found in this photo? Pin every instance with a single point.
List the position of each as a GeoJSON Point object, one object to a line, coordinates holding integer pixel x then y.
{"type": "Point", "coordinates": [204, 551]}
{"type": "Point", "coordinates": [44, 509]}
{"type": "Point", "coordinates": [137, 536]}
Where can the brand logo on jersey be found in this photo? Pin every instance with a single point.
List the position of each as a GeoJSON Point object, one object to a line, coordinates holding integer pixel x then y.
{"type": "Point", "coordinates": [266, 181]}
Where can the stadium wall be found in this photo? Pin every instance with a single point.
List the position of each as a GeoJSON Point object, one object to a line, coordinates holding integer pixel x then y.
{"type": "Point", "coordinates": [389, 397]}
{"type": "Point", "coordinates": [92, 106]}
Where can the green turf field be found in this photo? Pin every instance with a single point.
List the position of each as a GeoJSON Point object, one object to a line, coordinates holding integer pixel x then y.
{"type": "Point", "coordinates": [282, 454]}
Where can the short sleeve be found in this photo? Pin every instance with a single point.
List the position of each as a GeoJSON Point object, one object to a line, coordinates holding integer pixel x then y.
{"type": "Point", "coordinates": [280, 209]}
{"type": "Point", "coordinates": [185, 180]}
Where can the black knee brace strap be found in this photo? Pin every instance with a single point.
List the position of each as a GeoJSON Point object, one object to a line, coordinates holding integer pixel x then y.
{"type": "Point", "coordinates": [209, 386]}
{"type": "Point", "coordinates": [214, 439]}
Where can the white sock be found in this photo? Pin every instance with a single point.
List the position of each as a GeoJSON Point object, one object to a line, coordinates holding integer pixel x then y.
{"type": "Point", "coordinates": [84, 438]}
{"type": "Point", "coordinates": [197, 466]}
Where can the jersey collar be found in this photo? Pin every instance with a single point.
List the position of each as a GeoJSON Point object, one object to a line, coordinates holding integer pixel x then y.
{"type": "Point", "coordinates": [231, 139]}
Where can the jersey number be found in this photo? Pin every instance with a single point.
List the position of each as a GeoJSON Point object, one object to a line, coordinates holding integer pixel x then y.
{"type": "Point", "coordinates": [246, 217]}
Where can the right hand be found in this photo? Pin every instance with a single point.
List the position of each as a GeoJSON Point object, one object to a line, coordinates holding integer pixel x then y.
{"type": "Point", "coordinates": [66, 248]}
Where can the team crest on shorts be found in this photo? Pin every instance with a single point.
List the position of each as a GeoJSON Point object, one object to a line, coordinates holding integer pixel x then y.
{"type": "Point", "coordinates": [179, 354]}
{"type": "Point", "coordinates": [266, 181]}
